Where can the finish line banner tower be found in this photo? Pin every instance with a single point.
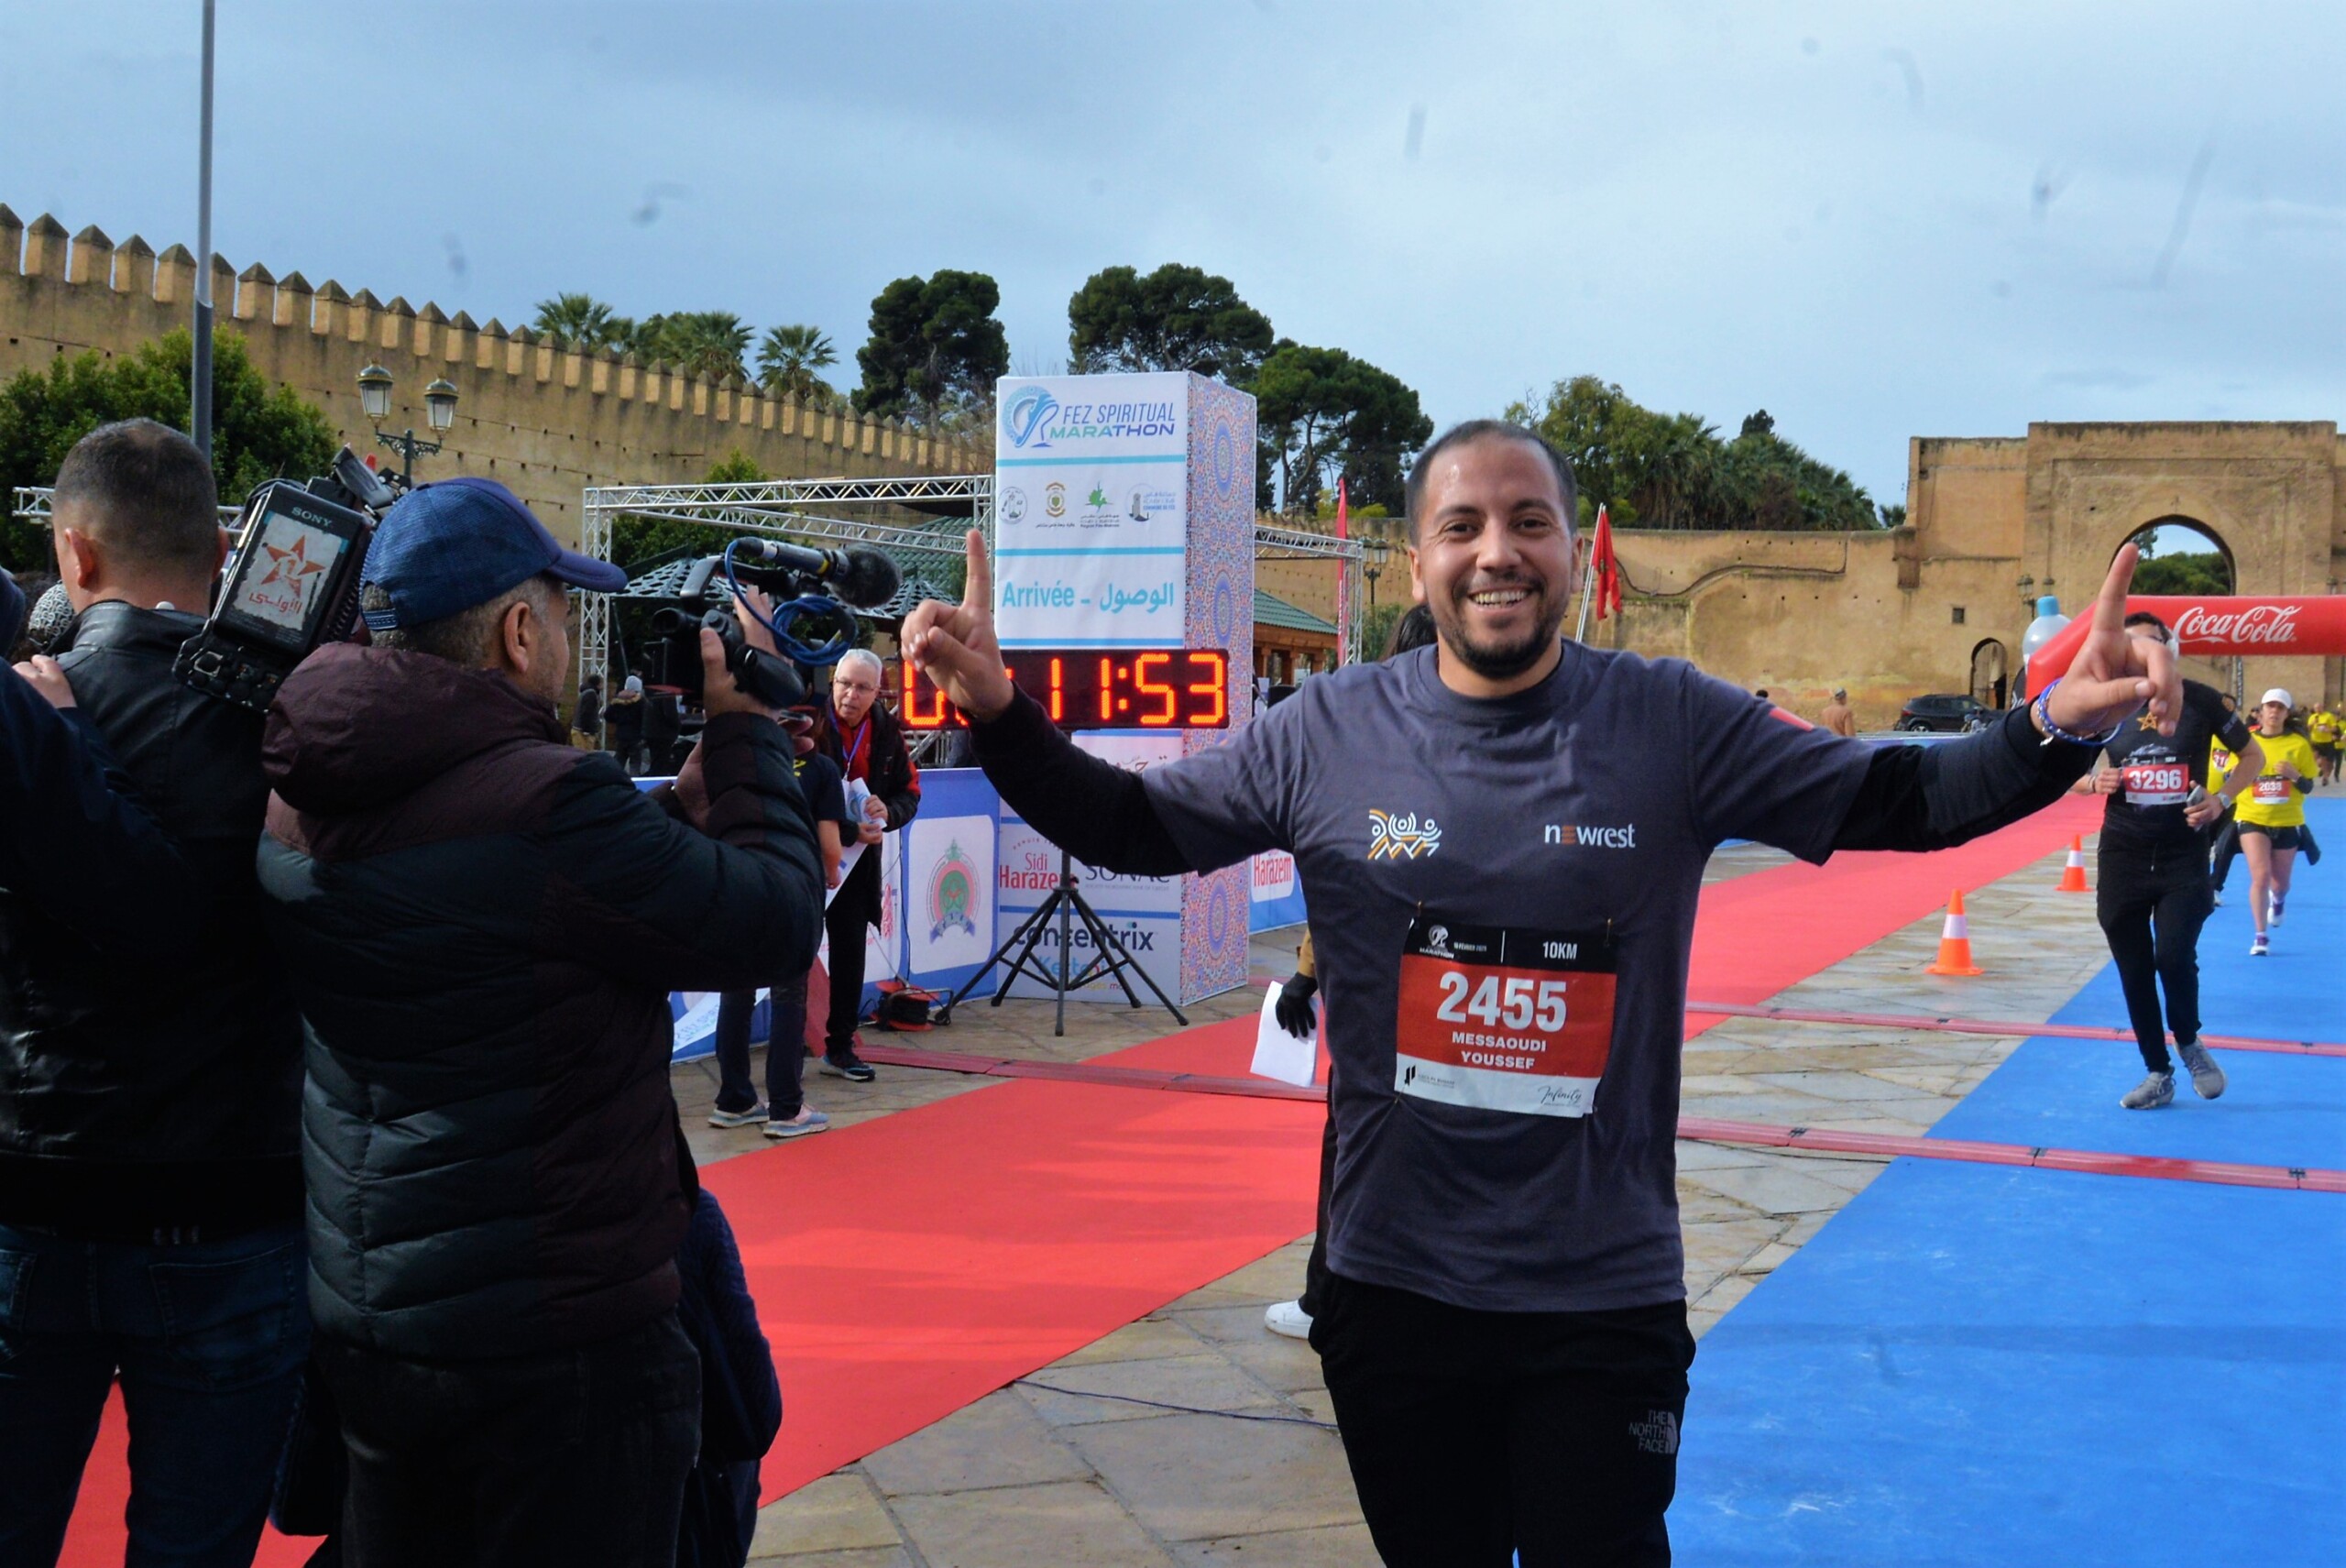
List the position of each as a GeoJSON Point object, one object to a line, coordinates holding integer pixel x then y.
{"type": "Point", "coordinates": [1125, 521]}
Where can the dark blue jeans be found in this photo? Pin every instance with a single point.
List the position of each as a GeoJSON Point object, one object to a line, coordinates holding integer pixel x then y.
{"type": "Point", "coordinates": [785, 1052]}
{"type": "Point", "coordinates": [208, 1340]}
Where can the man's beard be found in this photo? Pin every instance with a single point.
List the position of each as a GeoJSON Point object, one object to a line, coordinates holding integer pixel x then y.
{"type": "Point", "coordinates": [1499, 660]}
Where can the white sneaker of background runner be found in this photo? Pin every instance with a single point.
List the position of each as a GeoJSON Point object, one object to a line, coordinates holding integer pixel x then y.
{"type": "Point", "coordinates": [1289, 1318]}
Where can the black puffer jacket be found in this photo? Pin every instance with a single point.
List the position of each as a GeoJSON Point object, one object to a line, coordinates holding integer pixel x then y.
{"type": "Point", "coordinates": [482, 925]}
{"type": "Point", "coordinates": [158, 1093]}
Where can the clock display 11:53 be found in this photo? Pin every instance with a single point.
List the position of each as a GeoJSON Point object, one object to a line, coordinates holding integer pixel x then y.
{"type": "Point", "coordinates": [1086, 688]}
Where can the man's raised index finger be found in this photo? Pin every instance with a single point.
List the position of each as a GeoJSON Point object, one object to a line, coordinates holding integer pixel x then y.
{"type": "Point", "coordinates": [2109, 608]}
{"type": "Point", "coordinates": [977, 589]}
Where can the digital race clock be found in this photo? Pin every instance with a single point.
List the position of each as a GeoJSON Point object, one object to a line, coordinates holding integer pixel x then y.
{"type": "Point", "coordinates": [1083, 688]}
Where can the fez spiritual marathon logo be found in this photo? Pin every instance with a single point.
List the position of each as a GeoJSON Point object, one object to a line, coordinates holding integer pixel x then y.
{"type": "Point", "coordinates": [952, 894]}
{"type": "Point", "coordinates": [1025, 418]}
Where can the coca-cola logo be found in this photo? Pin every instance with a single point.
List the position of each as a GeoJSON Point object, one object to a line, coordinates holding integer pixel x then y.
{"type": "Point", "coordinates": [2262, 623]}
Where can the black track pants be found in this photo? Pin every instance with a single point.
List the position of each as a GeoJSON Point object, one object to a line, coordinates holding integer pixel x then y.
{"type": "Point", "coordinates": [2151, 904]}
{"type": "Point", "coordinates": [1476, 1436]}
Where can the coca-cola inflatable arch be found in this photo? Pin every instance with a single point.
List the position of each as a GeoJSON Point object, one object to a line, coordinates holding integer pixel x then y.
{"type": "Point", "coordinates": [2312, 627]}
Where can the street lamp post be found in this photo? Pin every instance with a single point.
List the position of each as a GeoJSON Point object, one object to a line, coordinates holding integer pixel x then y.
{"type": "Point", "coordinates": [439, 411]}
{"type": "Point", "coordinates": [1373, 552]}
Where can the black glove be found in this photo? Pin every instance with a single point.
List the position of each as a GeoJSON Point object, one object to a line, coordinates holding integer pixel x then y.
{"type": "Point", "coordinates": [1293, 1009]}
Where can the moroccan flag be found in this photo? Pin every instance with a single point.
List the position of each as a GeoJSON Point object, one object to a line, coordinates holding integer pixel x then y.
{"type": "Point", "coordinates": [1607, 566]}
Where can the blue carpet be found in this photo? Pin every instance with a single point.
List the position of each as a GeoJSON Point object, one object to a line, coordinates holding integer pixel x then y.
{"type": "Point", "coordinates": [1983, 1366]}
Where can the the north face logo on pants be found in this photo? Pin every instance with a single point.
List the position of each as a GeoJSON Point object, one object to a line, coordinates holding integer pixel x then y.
{"type": "Point", "coordinates": [1658, 1434]}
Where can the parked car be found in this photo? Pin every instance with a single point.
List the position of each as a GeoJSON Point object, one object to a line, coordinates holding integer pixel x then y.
{"type": "Point", "coordinates": [1941, 711]}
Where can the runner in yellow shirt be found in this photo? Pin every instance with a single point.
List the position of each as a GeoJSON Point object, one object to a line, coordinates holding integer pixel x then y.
{"type": "Point", "coordinates": [2323, 728]}
{"type": "Point", "coordinates": [2272, 811]}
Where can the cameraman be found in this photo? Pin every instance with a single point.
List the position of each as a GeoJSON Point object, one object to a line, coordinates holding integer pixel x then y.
{"type": "Point", "coordinates": [864, 739]}
{"type": "Point", "coordinates": [482, 925]}
{"type": "Point", "coordinates": [150, 1200]}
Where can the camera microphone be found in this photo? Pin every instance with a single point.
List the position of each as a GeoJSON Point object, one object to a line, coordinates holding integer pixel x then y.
{"type": "Point", "coordinates": [50, 615]}
{"type": "Point", "coordinates": [859, 576]}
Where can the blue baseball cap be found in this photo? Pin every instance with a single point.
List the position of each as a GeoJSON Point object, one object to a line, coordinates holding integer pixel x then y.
{"type": "Point", "coordinates": [444, 547]}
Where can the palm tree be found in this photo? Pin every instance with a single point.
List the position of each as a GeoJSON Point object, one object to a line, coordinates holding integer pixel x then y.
{"type": "Point", "coordinates": [581, 321]}
{"type": "Point", "coordinates": [788, 358]}
{"type": "Point", "coordinates": [698, 342]}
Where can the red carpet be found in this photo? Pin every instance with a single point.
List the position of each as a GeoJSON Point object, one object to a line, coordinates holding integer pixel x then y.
{"type": "Point", "coordinates": [910, 1266]}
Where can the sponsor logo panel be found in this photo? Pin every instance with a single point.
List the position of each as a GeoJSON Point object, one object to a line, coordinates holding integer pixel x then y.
{"type": "Point", "coordinates": [1274, 876]}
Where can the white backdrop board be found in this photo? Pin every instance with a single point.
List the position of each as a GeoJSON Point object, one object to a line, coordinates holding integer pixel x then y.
{"type": "Point", "coordinates": [1124, 519]}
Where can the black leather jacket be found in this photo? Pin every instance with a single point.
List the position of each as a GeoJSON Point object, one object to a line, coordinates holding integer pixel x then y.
{"type": "Point", "coordinates": [158, 1093]}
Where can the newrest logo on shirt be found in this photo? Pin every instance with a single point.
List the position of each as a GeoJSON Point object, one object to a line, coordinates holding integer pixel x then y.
{"type": "Point", "coordinates": [1590, 837]}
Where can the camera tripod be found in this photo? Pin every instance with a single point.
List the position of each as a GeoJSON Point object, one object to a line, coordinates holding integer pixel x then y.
{"type": "Point", "coordinates": [1109, 954]}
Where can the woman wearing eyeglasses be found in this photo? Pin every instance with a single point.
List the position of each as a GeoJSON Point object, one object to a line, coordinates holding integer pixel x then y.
{"type": "Point", "coordinates": [2273, 816]}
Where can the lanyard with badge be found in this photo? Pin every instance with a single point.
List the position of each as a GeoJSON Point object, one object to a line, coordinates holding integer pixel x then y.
{"type": "Point", "coordinates": [1503, 1019]}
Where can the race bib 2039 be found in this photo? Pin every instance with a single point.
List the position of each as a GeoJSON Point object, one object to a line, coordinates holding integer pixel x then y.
{"type": "Point", "coordinates": [1502, 1019]}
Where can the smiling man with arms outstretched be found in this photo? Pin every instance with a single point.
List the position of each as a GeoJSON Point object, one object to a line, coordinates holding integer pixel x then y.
{"type": "Point", "coordinates": [1501, 840]}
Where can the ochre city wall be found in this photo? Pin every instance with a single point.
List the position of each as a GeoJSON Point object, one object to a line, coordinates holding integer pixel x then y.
{"type": "Point", "coordinates": [546, 423]}
{"type": "Point", "coordinates": [1990, 524]}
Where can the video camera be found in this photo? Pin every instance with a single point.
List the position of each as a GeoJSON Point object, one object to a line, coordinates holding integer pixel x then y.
{"type": "Point", "coordinates": [291, 582]}
{"type": "Point", "coordinates": [793, 575]}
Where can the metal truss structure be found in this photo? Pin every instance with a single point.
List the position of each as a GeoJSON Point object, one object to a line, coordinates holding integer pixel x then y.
{"type": "Point", "coordinates": [782, 509]}
{"type": "Point", "coordinates": [1274, 542]}
{"type": "Point", "coordinates": [32, 505]}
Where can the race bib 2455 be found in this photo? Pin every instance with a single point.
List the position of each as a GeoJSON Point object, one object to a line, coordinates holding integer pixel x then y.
{"type": "Point", "coordinates": [1504, 1019]}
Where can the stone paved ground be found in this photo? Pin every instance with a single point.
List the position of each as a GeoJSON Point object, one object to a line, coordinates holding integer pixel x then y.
{"type": "Point", "coordinates": [1079, 1464]}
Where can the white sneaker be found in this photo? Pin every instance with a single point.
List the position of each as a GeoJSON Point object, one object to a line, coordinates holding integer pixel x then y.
{"type": "Point", "coordinates": [1289, 1318]}
{"type": "Point", "coordinates": [2259, 948]}
{"type": "Point", "coordinates": [750, 1117]}
{"type": "Point", "coordinates": [2274, 906]}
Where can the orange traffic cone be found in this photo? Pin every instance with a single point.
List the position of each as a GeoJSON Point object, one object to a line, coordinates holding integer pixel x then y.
{"type": "Point", "coordinates": [2072, 877]}
{"type": "Point", "coordinates": [1955, 942]}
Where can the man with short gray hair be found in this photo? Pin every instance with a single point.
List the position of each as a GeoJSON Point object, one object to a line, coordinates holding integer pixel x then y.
{"type": "Point", "coordinates": [858, 733]}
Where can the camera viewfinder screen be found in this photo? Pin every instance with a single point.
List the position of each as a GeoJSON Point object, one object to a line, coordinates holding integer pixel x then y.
{"type": "Point", "coordinates": [281, 580]}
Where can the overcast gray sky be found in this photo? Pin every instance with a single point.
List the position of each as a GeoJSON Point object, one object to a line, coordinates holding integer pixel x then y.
{"type": "Point", "coordinates": [1877, 220]}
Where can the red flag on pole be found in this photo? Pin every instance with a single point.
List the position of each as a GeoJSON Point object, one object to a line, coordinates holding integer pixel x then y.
{"type": "Point", "coordinates": [1343, 581]}
{"type": "Point", "coordinates": [1607, 566]}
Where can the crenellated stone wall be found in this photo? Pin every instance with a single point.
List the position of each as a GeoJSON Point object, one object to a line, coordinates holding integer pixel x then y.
{"type": "Point", "coordinates": [545, 422]}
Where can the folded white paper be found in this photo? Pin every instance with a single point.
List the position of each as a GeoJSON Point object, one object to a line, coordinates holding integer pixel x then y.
{"type": "Point", "coordinates": [1280, 1055]}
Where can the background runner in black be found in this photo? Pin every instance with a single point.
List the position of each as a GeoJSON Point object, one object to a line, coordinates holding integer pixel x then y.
{"type": "Point", "coordinates": [2152, 894]}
